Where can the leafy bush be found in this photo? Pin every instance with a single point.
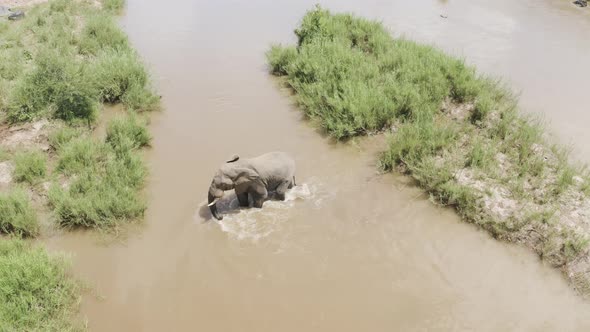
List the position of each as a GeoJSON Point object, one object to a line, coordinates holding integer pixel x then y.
{"type": "Point", "coordinates": [113, 5]}
{"type": "Point", "coordinates": [56, 81]}
{"type": "Point", "coordinates": [125, 133]}
{"type": "Point", "coordinates": [280, 57]}
{"type": "Point", "coordinates": [353, 78]}
{"type": "Point", "coordinates": [101, 33]}
{"type": "Point", "coordinates": [103, 196]}
{"type": "Point", "coordinates": [80, 154]}
{"type": "Point", "coordinates": [120, 76]}
{"type": "Point", "coordinates": [105, 188]}
{"type": "Point", "coordinates": [37, 292]}
{"type": "Point", "coordinates": [61, 136]}
{"type": "Point", "coordinates": [17, 216]}
{"type": "Point", "coordinates": [29, 166]}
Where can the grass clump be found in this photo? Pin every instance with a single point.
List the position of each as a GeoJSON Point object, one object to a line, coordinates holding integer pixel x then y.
{"type": "Point", "coordinates": [17, 216]}
{"type": "Point", "coordinates": [106, 178]}
{"type": "Point", "coordinates": [104, 197]}
{"type": "Point", "coordinates": [113, 5]}
{"type": "Point", "coordinates": [37, 292]}
{"type": "Point", "coordinates": [126, 133]}
{"type": "Point", "coordinates": [353, 78]}
{"type": "Point", "coordinates": [119, 76]}
{"type": "Point", "coordinates": [457, 133]}
{"type": "Point", "coordinates": [30, 166]}
{"type": "Point", "coordinates": [66, 58]}
{"type": "Point", "coordinates": [80, 154]}
{"type": "Point", "coordinates": [61, 136]}
{"type": "Point", "coordinates": [480, 156]}
{"type": "Point", "coordinates": [56, 86]}
{"type": "Point", "coordinates": [101, 33]}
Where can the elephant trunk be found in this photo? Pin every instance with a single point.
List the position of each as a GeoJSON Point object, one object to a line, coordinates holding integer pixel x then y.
{"type": "Point", "coordinates": [213, 206]}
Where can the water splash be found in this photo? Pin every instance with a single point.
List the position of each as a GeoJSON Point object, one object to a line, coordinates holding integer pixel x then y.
{"type": "Point", "coordinates": [255, 224]}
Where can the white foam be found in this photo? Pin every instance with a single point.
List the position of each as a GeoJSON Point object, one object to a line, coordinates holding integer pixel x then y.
{"type": "Point", "coordinates": [254, 224]}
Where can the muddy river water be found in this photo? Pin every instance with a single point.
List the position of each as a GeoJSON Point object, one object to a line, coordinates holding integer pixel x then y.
{"type": "Point", "coordinates": [350, 250]}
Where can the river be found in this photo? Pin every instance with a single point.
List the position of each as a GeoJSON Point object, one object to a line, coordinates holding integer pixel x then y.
{"type": "Point", "coordinates": [350, 250]}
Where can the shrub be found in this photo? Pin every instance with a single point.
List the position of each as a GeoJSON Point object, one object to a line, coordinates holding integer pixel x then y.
{"type": "Point", "coordinates": [102, 197]}
{"type": "Point", "coordinates": [119, 76]}
{"type": "Point", "coordinates": [80, 154]}
{"type": "Point", "coordinates": [140, 98]}
{"type": "Point", "coordinates": [62, 136]}
{"type": "Point", "coordinates": [416, 141]}
{"type": "Point", "coordinates": [279, 58]}
{"type": "Point", "coordinates": [76, 101]}
{"type": "Point", "coordinates": [113, 5]}
{"type": "Point", "coordinates": [102, 33]}
{"type": "Point", "coordinates": [29, 166]}
{"type": "Point", "coordinates": [353, 78]}
{"type": "Point", "coordinates": [108, 178]}
{"type": "Point", "coordinates": [16, 215]}
{"type": "Point", "coordinates": [12, 64]}
{"type": "Point", "coordinates": [57, 81]}
{"type": "Point", "coordinates": [482, 108]}
{"type": "Point", "coordinates": [125, 133]}
{"type": "Point", "coordinates": [37, 292]}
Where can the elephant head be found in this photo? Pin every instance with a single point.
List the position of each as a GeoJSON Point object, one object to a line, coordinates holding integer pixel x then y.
{"type": "Point", "coordinates": [230, 175]}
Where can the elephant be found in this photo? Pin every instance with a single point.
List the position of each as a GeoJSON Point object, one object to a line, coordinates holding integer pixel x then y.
{"type": "Point", "coordinates": [254, 177]}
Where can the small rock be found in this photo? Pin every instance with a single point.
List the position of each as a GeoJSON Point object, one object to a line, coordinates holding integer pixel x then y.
{"type": "Point", "coordinates": [17, 15]}
{"type": "Point", "coordinates": [581, 3]}
{"type": "Point", "coordinates": [443, 16]}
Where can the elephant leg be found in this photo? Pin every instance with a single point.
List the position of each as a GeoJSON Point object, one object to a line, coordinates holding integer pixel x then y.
{"type": "Point", "coordinates": [259, 197]}
{"type": "Point", "coordinates": [292, 183]}
{"type": "Point", "coordinates": [282, 190]}
{"type": "Point", "coordinates": [243, 198]}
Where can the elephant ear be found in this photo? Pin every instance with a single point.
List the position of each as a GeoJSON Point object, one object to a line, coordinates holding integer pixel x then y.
{"type": "Point", "coordinates": [234, 158]}
{"type": "Point", "coordinates": [246, 175]}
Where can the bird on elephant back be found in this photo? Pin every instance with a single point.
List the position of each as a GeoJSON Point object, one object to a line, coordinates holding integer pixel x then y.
{"type": "Point", "coordinates": [252, 178]}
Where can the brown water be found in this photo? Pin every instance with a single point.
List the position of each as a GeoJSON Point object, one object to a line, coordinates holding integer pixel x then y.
{"type": "Point", "coordinates": [350, 250]}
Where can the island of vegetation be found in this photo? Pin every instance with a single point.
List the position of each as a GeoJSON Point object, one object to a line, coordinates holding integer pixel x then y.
{"type": "Point", "coordinates": [458, 133]}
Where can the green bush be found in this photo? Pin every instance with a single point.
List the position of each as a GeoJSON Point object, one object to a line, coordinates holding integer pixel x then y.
{"type": "Point", "coordinates": [62, 136]}
{"type": "Point", "coordinates": [101, 33]}
{"type": "Point", "coordinates": [17, 216]}
{"type": "Point", "coordinates": [119, 76]}
{"type": "Point", "coordinates": [418, 141]}
{"type": "Point", "coordinates": [56, 82]}
{"type": "Point", "coordinates": [29, 166]}
{"type": "Point", "coordinates": [140, 98]}
{"type": "Point", "coordinates": [102, 197]}
{"type": "Point", "coordinates": [108, 178]}
{"type": "Point", "coordinates": [113, 5]}
{"type": "Point", "coordinates": [279, 58]}
{"type": "Point", "coordinates": [353, 78]}
{"type": "Point", "coordinates": [12, 64]}
{"type": "Point", "coordinates": [76, 101]}
{"type": "Point", "coordinates": [80, 154]}
{"type": "Point", "coordinates": [37, 292]}
{"type": "Point", "coordinates": [125, 133]}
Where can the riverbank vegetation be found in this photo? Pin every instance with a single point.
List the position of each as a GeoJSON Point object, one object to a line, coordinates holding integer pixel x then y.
{"type": "Point", "coordinates": [36, 291]}
{"type": "Point", "coordinates": [459, 134]}
{"type": "Point", "coordinates": [67, 61]}
{"type": "Point", "coordinates": [62, 66]}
